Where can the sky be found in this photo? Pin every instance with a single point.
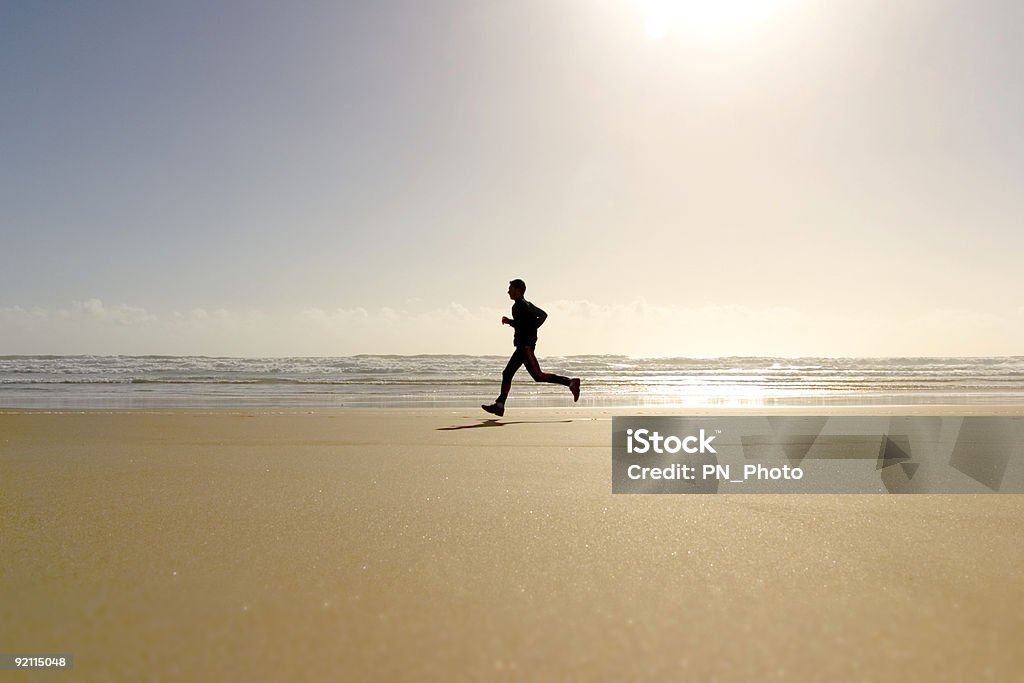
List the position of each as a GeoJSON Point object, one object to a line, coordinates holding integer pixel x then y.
{"type": "Point", "coordinates": [671, 178]}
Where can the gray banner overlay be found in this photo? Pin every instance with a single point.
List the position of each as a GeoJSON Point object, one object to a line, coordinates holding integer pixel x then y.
{"type": "Point", "coordinates": [841, 454]}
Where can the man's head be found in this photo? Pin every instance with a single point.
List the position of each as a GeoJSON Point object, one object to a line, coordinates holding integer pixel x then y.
{"type": "Point", "coordinates": [516, 289]}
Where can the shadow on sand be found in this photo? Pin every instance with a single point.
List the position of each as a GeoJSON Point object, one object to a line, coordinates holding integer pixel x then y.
{"type": "Point", "coordinates": [492, 422]}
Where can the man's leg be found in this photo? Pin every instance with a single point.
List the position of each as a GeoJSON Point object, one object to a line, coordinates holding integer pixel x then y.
{"type": "Point", "coordinates": [533, 367]}
{"type": "Point", "coordinates": [538, 375]}
{"type": "Point", "coordinates": [514, 363]}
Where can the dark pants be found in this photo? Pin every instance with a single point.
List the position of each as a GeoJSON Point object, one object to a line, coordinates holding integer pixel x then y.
{"type": "Point", "coordinates": [524, 356]}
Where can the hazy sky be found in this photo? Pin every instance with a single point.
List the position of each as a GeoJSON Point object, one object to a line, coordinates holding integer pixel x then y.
{"type": "Point", "coordinates": [670, 178]}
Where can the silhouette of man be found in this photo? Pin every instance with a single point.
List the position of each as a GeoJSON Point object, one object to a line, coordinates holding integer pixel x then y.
{"type": "Point", "coordinates": [526, 318]}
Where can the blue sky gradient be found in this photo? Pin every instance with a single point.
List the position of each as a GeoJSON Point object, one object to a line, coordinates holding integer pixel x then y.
{"type": "Point", "coordinates": [843, 166]}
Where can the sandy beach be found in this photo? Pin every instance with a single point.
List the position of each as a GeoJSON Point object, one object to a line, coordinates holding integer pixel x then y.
{"type": "Point", "coordinates": [265, 545]}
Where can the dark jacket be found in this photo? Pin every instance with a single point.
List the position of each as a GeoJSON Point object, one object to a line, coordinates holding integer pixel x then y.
{"type": "Point", "coordinates": [526, 318]}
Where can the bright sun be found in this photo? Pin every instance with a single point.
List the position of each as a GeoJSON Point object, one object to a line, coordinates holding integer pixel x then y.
{"type": "Point", "coordinates": [702, 16]}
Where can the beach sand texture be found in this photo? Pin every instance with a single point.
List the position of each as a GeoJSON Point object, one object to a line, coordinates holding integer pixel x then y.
{"type": "Point", "coordinates": [438, 545]}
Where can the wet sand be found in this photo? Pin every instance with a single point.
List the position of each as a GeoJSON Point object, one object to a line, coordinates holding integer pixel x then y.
{"type": "Point", "coordinates": [440, 545]}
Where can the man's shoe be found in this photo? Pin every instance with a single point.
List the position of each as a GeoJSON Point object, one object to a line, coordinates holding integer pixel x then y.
{"type": "Point", "coordinates": [495, 409]}
{"type": "Point", "coordinates": [574, 387]}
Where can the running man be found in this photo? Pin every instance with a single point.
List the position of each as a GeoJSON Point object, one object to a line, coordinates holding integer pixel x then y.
{"type": "Point", "coordinates": [526, 318]}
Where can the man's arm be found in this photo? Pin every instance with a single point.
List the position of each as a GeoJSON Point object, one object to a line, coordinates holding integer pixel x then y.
{"type": "Point", "coordinates": [541, 315]}
{"type": "Point", "coordinates": [518, 310]}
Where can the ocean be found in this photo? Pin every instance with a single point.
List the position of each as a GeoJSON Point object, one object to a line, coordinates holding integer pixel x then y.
{"type": "Point", "coordinates": [452, 381]}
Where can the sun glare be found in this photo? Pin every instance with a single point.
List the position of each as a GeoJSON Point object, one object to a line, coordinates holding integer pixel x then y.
{"type": "Point", "coordinates": [705, 17]}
